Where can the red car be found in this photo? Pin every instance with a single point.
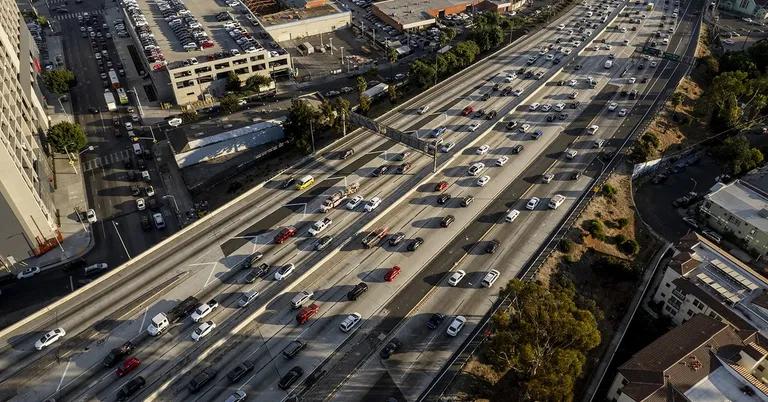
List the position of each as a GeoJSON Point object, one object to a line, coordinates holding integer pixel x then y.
{"type": "Point", "coordinates": [129, 365]}
{"type": "Point", "coordinates": [306, 313]}
{"type": "Point", "coordinates": [441, 186]}
{"type": "Point", "coordinates": [392, 274]}
{"type": "Point", "coordinates": [467, 111]}
{"type": "Point", "coordinates": [285, 234]}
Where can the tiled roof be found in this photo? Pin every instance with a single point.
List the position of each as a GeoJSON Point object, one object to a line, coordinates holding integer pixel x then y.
{"type": "Point", "coordinates": [687, 287]}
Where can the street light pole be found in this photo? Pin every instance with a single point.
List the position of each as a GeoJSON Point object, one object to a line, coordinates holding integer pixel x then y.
{"type": "Point", "coordinates": [114, 224]}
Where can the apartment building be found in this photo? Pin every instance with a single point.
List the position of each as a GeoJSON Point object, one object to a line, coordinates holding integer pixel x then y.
{"type": "Point", "coordinates": [705, 279]}
{"type": "Point", "coordinates": [701, 360]}
{"type": "Point", "coordinates": [739, 208]}
{"type": "Point", "coordinates": [29, 225]}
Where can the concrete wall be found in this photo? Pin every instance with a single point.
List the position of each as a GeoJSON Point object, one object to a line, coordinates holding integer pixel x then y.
{"type": "Point", "coordinates": [311, 26]}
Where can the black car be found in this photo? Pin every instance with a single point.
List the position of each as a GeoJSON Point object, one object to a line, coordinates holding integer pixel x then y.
{"type": "Point", "coordinates": [496, 86]}
{"type": "Point", "coordinates": [517, 148]}
{"type": "Point", "coordinates": [93, 110]}
{"type": "Point", "coordinates": [202, 378]}
{"type": "Point", "coordinates": [443, 198]}
{"type": "Point", "coordinates": [391, 347]}
{"type": "Point", "coordinates": [146, 222]}
{"type": "Point", "coordinates": [396, 238]}
{"type": "Point", "coordinates": [292, 349]}
{"type": "Point", "coordinates": [290, 377]}
{"type": "Point", "coordinates": [287, 182]}
{"type": "Point", "coordinates": [135, 191]}
{"type": "Point", "coordinates": [251, 259]}
{"type": "Point", "coordinates": [480, 113]}
{"type": "Point", "coordinates": [251, 276]}
{"type": "Point", "coordinates": [551, 117]}
{"type": "Point", "coordinates": [486, 96]}
{"type": "Point", "coordinates": [467, 200]}
{"type": "Point", "coordinates": [357, 291]}
{"type": "Point", "coordinates": [241, 370]}
{"type": "Point", "coordinates": [511, 125]}
{"type": "Point", "coordinates": [492, 246]}
{"type": "Point", "coordinates": [447, 220]}
{"type": "Point", "coordinates": [380, 171]}
{"type": "Point", "coordinates": [435, 320]}
{"type": "Point", "coordinates": [576, 175]}
{"type": "Point", "coordinates": [116, 354]}
{"type": "Point", "coordinates": [130, 388]}
{"type": "Point", "coordinates": [577, 67]}
{"type": "Point", "coordinates": [415, 243]}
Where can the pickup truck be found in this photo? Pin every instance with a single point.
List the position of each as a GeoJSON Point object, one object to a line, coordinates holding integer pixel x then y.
{"type": "Point", "coordinates": [319, 226]}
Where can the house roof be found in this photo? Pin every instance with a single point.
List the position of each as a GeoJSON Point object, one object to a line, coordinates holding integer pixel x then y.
{"type": "Point", "coordinates": [687, 287]}
{"type": "Point", "coordinates": [681, 358]}
{"type": "Point", "coordinates": [743, 201]}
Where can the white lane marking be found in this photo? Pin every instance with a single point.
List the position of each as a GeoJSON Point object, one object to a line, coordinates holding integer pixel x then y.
{"type": "Point", "coordinates": [213, 267]}
{"type": "Point", "coordinates": [66, 368]}
{"type": "Point", "coordinates": [143, 318]}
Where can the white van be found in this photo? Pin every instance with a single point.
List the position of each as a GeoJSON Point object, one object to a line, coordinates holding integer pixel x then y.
{"type": "Point", "coordinates": [159, 221]}
{"type": "Point", "coordinates": [490, 278]}
{"type": "Point", "coordinates": [301, 298]}
{"type": "Point", "coordinates": [556, 201]}
{"type": "Point", "coordinates": [247, 298]}
{"type": "Point", "coordinates": [137, 149]}
{"type": "Point", "coordinates": [511, 215]}
{"type": "Point", "coordinates": [608, 64]}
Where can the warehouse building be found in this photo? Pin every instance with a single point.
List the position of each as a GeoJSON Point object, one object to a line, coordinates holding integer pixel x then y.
{"type": "Point", "coordinates": [406, 15]}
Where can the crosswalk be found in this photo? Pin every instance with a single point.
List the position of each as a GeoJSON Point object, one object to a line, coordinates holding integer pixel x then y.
{"type": "Point", "coordinates": [73, 16]}
{"type": "Point", "coordinates": [106, 160]}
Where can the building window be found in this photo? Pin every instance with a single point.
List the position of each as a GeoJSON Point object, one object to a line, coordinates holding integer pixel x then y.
{"type": "Point", "coordinates": [624, 382]}
{"type": "Point", "coordinates": [663, 296]}
{"type": "Point", "coordinates": [761, 368]}
{"type": "Point", "coordinates": [666, 284]}
{"type": "Point", "coordinates": [690, 313]}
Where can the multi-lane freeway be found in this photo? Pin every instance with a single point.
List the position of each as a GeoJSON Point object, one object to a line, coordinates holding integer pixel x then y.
{"type": "Point", "coordinates": [205, 259]}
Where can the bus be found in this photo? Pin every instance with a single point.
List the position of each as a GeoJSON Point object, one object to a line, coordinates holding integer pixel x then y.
{"type": "Point", "coordinates": [113, 79]}
{"type": "Point", "coordinates": [304, 182]}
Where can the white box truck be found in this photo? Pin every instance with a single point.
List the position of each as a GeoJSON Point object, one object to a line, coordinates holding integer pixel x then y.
{"type": "Point", "coordinates": [110, 99]}
{"type": "Point", "coordinates": [162, 321]}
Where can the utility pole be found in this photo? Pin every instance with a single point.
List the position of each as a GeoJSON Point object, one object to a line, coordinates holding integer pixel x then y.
{"type": "Point", "coordinates": [312, 135]}
{"type": "Point", "coordinates": [344, 124]}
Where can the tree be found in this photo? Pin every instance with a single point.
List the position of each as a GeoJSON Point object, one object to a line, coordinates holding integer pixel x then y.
{"type": "Point", "coordinates": [629, 247]}
{"type": "Point", "coordinates": [487, 37]}
{"type": "Point", "coordinates": [59, 81]}
{"type": "Point", "coordinates": [365, 104]}
{"type": "Point", "coordinates": [738, 61]}
{"type": "Point", "coordinates": [301, 120]}
{"type": "Point", "coordinates": [393, 55]}
{"type": "Point", "coordinates": [466, 52]}
{"type": "Point", "coordinates": [42, 21]}
{"type": "Point", "coordinates": [422, 73]}
{"type": "Point", "coordinates": [737, 155]}
{"type": "Point", "coordinates": [233, 81]}
{"type": "Point", "coordinates": [392, 92]}
{"type": "Point", "coordinates": [540, 342]}
{"type": "Point", "coordinates": [341, 108]}
{"type": "Point", "coordinates": [327, 113]}
{"type": "Point", "coordinates": [446, 36]}
{"type": "Point", "coordinates": [362, 85]}
{"type": "Point", "coordinates": [676, 100]}
{"type": "Point", "coordinates": [758, 52]}
{"type": "Point", "coordinates": [189, 115]}
{"type": "Point", "coordinates": [229, 104]}
{"type": "Point", "coordinates": [66, 137]}
{"type": "Point", "coordinates": [255, 82]}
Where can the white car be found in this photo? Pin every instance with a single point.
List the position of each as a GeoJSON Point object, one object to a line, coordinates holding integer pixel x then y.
{"type": "Point", "coordinates": [483, 149]}
{"type": "Point", "coordinates": [350, 322]}
{"type": "Point", "coordinates": [525, 127]}
{"type": "Point", "coordinates": [509, 78]}
{"type": "Point", "coordinates": [447, 146]}
{"type": "Point", "coordinates": [559, 107]}
{"type": "Point", "coordinates": [490, 278]}
{"type": "Point", "coordinates": [456, 277]}
{"type": "Point", "coordinates": [91, 216]}
{"type": "Point", "coordinates": [203, 310]}
{"type": "Point", "coordinates": [631, 80]}
{"type": "Point", "coordinates": [474, 126]}
{"type": "Point", "coordinates": [319, 226]}
{"type": "Point", "coordinates": [354, 202]}
{"type": "Point", "coordinates": [140, 204]}
{"type": "Point", "coordinates": [423, 109]}
{"type": "Point", "coordinates": [28, 273]}
{"type": "Point", "coordinates": [592, 130]}
{"type": "Point", "coordinates": [475, 168]}
{"type": "Point", "coordinates": [570, 153]}
{"type": "Point", "coordinates": [150, 191]}
{"type": "Point", "coordinates": [372, 204]}
{"type": "Point", "coordinates": [49, 338]}
{"type": "Point", "coordinates": [547, 177]}
{"type": "Point", "coordinates": [128, 126]}
{"type": "Point", "coordinates": [284, 272]}
{"type": "Point", "coordinates": [456, 325]}
{"type": "Point", "coordinates": [622, 112]}
{"type": "Point", "coordinates": [567, 51]}
{"type": "Point", "coordinates": [546, 107]}
{"type": "Point", "coordinates": [532, 203]}
{"type": "Point", "coordinates": [534, 106]}
{"type": "Point", "coordinates": [517, 92]}
{"type": "Point", "coordinates": [612, 106]}
{"type": "Point", "coordinates": [550, 57]}
{"type": "Point", "coordinates": [203, 330]}
{"type": "Point", "coordinates": [572, 83]}
{"type": "Point", "coordinates": [502, 160]}
{"type": "Point", "coordinates": [482, 181]}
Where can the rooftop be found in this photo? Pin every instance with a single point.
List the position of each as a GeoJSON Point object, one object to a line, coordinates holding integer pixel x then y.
{"type": "Point", "coordinates": [412, 11]}
{"type": "Point", "coordinates": [689, 359]}
{"type": "Point", "coordinates": [758, 178]}
{"type": "Point", "coordinates": [205, 13]}
{"type": "Point", "coordinates": [742, 200]}
{"type": "Point", "coordinates": [728, 286]}
{"type": "Point", "coordinates": [296, 15]}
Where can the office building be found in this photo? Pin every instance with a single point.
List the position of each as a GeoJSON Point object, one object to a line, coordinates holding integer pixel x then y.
{"type": "Point", "coordinates": [29, 224]}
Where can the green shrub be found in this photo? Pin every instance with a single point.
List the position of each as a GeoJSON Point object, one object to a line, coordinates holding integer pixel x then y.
{"type": "Point", "coordinates": [596, 228]}
{"type": "Point", "coordinates": [621, 222]}
{"type": "Point", "coordinates": [566, 246]}
{"type": "Point", "coordinates": [619, 239]}
{"type": "Point", "coordinates": [629, 247]}
{"type": "Point", "coordinates": [608, 190]}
